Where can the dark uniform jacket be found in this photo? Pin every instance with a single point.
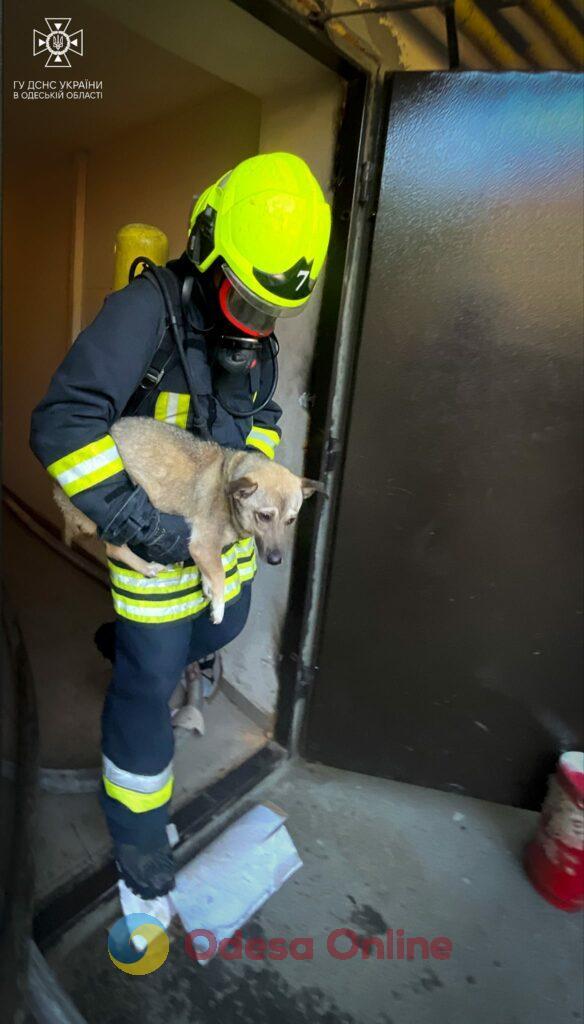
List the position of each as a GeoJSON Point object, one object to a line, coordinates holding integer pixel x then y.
{"type": "Point", "coordinates": [90, 391]}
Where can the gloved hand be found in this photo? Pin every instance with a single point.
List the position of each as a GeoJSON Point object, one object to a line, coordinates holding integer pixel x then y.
{"type": "Point", "coordinates": [168, 543]}
{"type": "Point", "coordinates": [155, 536]}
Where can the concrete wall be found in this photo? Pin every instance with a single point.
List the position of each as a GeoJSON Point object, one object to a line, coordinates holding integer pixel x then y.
{"type": "Point", "coordinates": [36, 248]}
{"type": "Point", "coordinates": [305, 125]}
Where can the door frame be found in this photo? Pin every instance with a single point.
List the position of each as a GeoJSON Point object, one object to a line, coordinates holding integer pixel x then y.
{"type": "Point", "coordinates": [355, 180]}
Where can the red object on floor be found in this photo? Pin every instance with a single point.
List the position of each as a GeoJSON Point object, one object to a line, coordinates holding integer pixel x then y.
{"type": "Point", "coordinates": [554, 860]}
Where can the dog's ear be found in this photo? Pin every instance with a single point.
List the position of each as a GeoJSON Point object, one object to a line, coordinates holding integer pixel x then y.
{"type": "Point", "coordinates": [310, 486]}
{"type": "Point", "coordinates": [241, 488]}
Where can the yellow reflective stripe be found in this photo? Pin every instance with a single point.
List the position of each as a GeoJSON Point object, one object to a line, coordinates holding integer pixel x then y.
{"type": "Point", "coordinates": [173, 610]}
{"type": "Point", "coordinates": [182, 411]}
{"type": "Point", "coordinates": [157, 611]}
{"type": "Point", "coordinates": [247, 572]}
{"type": "Point", "coordinates": [164, 583]}
{"type": "Point", "coordinates": [138, 802]}
{"type": "Point", "coordinates": [97, 477]}
{"type": "Point", "coordinates": [172, 407]}
{"type": "Point", "coordinates": [161, 407]}
{"type": "Point", "coordinates": [272, 436]}
{"type": "Point", "coordinates": [173, 571]}
{"type": "Point", "coordinates": [240, 556]}
{"type": "Point", "coordinates": [174, 580]}
{"type": "Point", "coordinates": [264, 439]}
{"type": "Point", "coordinates": [87, 466]}
{"type": "Point", "coordinates": [255, 442]}
{"type": "Point", "coordinates": [80, 455]}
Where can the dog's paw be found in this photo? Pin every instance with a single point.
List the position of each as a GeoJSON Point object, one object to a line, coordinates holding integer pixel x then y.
{"type": "Point", "coordinates": [153, 569]}
{"type": "Point", "coordinates": [217, 612]}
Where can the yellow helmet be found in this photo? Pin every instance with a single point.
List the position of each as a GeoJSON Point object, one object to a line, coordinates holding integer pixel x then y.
{"type": "Point", "coordinates": [268, 224]}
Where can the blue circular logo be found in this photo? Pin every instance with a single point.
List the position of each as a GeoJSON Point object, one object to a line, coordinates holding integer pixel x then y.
{"type": "Point", "coordinates": [146, 953]}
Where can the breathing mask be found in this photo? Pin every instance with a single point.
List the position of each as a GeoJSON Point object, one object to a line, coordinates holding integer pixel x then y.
{"type": "Point", "coordinates": [252, 319]}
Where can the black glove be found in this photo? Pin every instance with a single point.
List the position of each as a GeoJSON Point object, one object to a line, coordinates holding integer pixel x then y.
{"type": "Point", "coordinates": [169, 541]}
{"type": "Point", "coordinates": [155, 536]}
{"type": "Point", "coordinates": [148, 872]}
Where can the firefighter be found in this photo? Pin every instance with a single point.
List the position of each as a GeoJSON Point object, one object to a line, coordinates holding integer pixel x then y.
{"type": "Point", "coordinates": [191, 344]}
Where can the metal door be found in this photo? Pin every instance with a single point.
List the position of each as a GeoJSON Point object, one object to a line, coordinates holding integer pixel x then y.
{"type": "Point", "coordinates": [450, 655]}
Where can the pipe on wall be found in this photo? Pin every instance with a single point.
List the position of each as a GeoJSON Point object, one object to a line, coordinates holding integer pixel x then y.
{"type": "Point", "coordinates": [564, 32]}
{"type": "Point", "coordinates": [481, 31]}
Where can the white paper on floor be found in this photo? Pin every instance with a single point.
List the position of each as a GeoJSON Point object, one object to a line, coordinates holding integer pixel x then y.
{"type": "Point", "coordinates": [228, 881]}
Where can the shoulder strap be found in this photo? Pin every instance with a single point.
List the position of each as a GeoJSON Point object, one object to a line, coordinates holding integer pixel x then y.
{"type": "Point", "coordinates": [165, 354]}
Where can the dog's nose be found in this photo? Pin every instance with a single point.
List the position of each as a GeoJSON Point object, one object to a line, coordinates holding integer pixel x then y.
{"type": "Point", "coordinates": [274, 557]}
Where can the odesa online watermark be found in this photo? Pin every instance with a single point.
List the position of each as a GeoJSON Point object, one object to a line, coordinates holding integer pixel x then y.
{"type": "Point", "coordinates": [138, 944]}
{"type": "Point", "coordinates": [340, 944]}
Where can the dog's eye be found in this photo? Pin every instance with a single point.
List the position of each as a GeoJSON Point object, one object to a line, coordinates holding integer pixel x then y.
{"type": "Point", "coordinates": [290, 521]}
{"type": "Point", "coordinates": [265, 516]}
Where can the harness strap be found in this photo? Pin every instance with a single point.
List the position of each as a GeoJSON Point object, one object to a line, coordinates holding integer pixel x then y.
{"type": "Point", "coordinates": [165, 355]}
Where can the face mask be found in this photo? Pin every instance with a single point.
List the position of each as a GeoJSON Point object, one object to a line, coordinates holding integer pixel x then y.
{"type": "Point", "coordinates": [235, 352]}
{"type": "Point", "coordinates": [236, 309]}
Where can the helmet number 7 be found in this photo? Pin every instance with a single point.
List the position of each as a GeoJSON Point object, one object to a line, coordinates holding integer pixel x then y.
{"type": "Point", "coordinates": [302, 275]}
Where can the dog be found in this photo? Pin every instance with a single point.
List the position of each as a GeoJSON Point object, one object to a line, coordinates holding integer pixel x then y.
{"type": "Point", "coordinates": [223, 494]}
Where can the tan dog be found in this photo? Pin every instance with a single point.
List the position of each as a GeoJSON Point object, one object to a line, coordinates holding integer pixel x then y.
{"type": "Point", "coordinates": [223, 494]}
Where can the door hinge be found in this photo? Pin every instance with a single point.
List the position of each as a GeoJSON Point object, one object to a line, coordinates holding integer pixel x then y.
{"type": "Point", "coordinates": [366, 175]}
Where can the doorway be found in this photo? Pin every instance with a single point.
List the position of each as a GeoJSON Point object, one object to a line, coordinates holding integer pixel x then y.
{"type": "Point", "coordinates": [183, 98]}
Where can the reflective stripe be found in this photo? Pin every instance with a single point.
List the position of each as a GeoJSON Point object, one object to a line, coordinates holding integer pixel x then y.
{"type": "Point", "coordinates": [247, 570]}
{"type": "Point", "coordinates": [138, 802]}
{"type": "Point", "coordinates": [172, 407]}
{"type": "Point", "coordinates": [138, 783]}
{"type": "Point", "coordinates": [87, 466]}
{"type": "Point", "coordinates": [141, 611]}
{"type": "Point", "coordinates": [176, 593]}
{"type": "Point", "coordinates": [264, 439]}
{"type": "Point", "coordinates": [138, 792]}
{"type": "Point", "coordinates": [170, 611]}
{"type": "Point", "coordinates": [170, 581]}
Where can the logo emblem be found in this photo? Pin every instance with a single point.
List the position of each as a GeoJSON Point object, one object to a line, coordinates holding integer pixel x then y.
{"type": "Point", "coordinates": [138, 944]}
{"type": "Point", "coordinates": [57, 43]}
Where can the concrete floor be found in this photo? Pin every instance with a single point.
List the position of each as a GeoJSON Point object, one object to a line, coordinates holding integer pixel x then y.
{"type": "Point", "coordinates": [377, 855]}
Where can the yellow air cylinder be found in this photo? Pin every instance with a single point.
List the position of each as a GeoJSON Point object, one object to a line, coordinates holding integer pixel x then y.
{"type": "Point", "coordinates": [137, 240]}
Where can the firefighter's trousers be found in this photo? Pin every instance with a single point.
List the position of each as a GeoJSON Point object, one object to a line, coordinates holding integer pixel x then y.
{"type": "Point", "coordinates": [137, 735]}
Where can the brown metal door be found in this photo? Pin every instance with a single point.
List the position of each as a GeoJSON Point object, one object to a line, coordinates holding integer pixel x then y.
{"type": "Point", "coordinates": [451, 655]}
